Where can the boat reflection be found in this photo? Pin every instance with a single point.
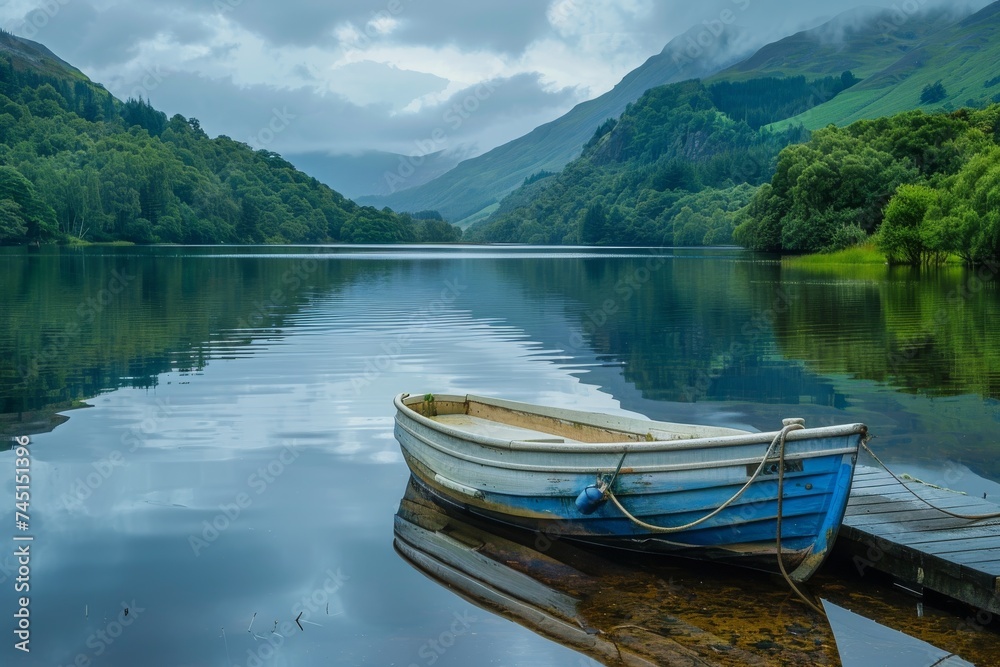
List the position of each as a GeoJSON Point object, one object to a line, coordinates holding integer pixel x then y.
{"type": "Point", "coordinates": [621, 610]}
{"type": "Point", "coordinates": [613, 614]}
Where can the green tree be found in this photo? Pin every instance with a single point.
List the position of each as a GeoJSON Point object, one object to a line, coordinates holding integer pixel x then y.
{"type": "Point", "coordinates": [902, 237]}
{"type": "Point", "coordinates": [12, 225]}
{"type": "Point", "coordinates": [594, 226]}
{"type": "Point", "coordinates": [966, 221]}
{"type": "Point", "coordinates": [248, 227]}
{"type": "Point", "coordinates": [933, 92]}
{"type": "Point", "coordinates": [37, 217]}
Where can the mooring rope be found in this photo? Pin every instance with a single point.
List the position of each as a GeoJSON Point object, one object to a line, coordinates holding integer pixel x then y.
{"type": "Point", "coordinates": [779, 443]}
{"type": "Point", "coordinates": [968, 517]}
{"type": "Point", "coordinates": [676, 529]}
{"type": "Point", "coordinates": [781, 497]}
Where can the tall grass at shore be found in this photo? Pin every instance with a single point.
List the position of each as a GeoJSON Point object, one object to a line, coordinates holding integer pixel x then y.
{"type": "Point", "coordinates": [860, 254]}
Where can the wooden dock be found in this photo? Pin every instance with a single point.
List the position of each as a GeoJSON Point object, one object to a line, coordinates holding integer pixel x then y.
{"type": "Point", "coordinates": [888, 530]}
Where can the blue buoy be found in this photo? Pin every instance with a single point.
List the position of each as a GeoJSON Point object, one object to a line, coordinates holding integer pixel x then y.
{"type": "Point", "coordinates": [590, 499]}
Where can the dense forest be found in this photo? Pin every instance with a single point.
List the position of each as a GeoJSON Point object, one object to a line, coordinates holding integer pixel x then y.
{"type": "Point", "coordinates": [78, 164]}
{"type": "Point", "coordinates": [922, 186]}
{"type": "Point", "coordinates": [765, 100]}
{"type": "Point", "coordinates": [673, 169]}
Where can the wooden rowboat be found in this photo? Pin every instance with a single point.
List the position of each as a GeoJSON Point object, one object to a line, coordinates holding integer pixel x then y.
{"type": "Point", "coordinates": [695, 491]}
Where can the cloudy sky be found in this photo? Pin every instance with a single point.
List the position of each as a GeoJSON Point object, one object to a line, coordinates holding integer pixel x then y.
{"type": "Point", "coordinates": [345, 76]}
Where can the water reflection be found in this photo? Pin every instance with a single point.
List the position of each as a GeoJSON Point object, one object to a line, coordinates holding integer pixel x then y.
{"type": "Point", "coordinates": [865, 643]}
{"type": "Point", "coordinates": [636, 611]}
{"type": "Point", "coordinates": [211, 361]}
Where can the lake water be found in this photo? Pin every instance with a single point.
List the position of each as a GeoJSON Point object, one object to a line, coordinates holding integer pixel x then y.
{"type": "Point", "coordinates": [237, 466]}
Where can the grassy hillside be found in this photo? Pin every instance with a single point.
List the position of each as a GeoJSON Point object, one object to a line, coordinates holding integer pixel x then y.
{"type": "Point", "coordinates": [27, 56]}
{"type": "Point", "coordinates": [962, 56]}
{"type": "Point", "coordinates": [475, 184]}
{"type": "Point", "coordinates": [864, 40]}
{"type": "Point", "coordinates": [78, 164]}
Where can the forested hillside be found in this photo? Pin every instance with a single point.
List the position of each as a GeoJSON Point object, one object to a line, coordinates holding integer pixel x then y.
{"type": "Point", "coordinates": [679, 166]}
{"type": "Point", "coordinates": [673, 170]}
{"type": "Point", "coordinates": [676, 170]}
{"type": "Point", "coordinates": [75, 163]}
{"type": "Point", "coordinates": [925, 185]}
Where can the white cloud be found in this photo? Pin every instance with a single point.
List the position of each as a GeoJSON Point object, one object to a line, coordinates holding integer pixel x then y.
{"type": "Point", "coordinates": [383, 25]}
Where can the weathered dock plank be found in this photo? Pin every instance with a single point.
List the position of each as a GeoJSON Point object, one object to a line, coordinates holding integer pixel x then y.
{"type": "Point", "coordinates": [887, 529]}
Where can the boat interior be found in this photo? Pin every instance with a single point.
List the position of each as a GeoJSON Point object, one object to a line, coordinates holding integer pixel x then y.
{"type": "Point", "coordinates": [499, 421]}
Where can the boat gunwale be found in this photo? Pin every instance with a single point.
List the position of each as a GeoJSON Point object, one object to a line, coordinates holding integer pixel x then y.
{"type": "Point", "coordinates": [632, 469]}
{"type": "Point", "coordinates": [593, 420]}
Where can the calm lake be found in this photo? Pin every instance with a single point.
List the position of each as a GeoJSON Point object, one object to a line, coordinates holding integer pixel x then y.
{"type": "Point", "coordinates": [236, 466]}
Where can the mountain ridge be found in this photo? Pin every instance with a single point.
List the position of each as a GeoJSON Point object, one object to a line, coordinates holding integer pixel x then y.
{"type": "Point", "coordinates": [865, 39]}
{"type": "Point", "coordinates": [477, 183]}
{"type": "Point", "coordinates": [31, 55]}
{"type": "Point", "coordinates": [642, 179]}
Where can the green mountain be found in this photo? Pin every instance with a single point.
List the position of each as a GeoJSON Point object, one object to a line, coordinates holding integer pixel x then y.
{"type": "Point", "coordinates": [26, 56]}
{"type": "Point", "coordinates": [679, 163]}
{"type": "Point", "coordinates": [863, 41]}
{"type": "Point", "coordinates": [473, 188]}
{"type": "Point", "coordinates": [672, 170]}
{"type": "Point", "coordinates": [962, 56]}
{"type": "Point", "coordinates": [77, 163]}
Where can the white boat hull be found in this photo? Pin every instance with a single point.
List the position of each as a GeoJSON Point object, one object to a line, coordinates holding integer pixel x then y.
{"type": "Point", "coordinates": [526, 465]}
